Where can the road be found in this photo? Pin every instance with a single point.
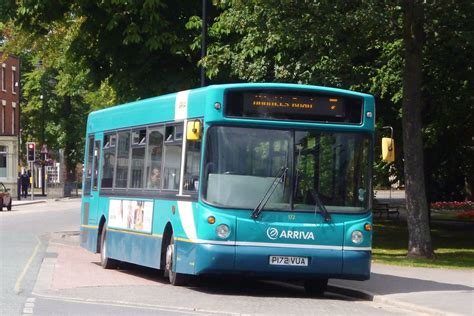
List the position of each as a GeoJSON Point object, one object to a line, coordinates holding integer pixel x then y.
{"type": "Point", "coordinates": [44, 272]}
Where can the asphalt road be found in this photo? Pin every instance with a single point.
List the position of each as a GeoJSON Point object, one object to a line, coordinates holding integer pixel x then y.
{"type": "Point", "coordinates": [27, 238]}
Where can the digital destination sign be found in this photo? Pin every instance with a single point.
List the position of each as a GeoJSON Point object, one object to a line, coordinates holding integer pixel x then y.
{"type": "Point", "coordinates": [293, 105]}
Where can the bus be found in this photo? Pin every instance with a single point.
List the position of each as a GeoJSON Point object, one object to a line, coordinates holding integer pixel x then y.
{"type": "Point", "coordinates": [267, 180]}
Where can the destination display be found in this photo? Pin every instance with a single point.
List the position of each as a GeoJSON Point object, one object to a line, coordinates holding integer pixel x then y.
{"type": "Point", "coordinates": [293, 105]}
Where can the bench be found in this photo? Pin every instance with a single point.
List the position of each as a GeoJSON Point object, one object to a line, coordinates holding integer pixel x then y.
{"type": "Point", "coordinates": [385, 208]}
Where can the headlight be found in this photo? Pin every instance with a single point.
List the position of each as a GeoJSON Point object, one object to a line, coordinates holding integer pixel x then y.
{"type": "Point", "coordinates": [223, 231]}
{"type": "Point", "coordinates": [357, 237]}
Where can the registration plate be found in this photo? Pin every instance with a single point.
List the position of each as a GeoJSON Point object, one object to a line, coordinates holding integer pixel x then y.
{"type": "Point", "coordinates": [288, 261]}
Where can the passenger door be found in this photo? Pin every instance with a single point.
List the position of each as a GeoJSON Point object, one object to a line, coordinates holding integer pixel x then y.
{"type": "Point", "coordinates": [91, 182]}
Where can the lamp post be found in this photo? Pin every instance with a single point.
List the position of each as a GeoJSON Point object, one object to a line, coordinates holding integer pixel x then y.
{"type": "Point", "coordinates": [203, 41]}
{"type": "Point", "coordinates": [43, 154]}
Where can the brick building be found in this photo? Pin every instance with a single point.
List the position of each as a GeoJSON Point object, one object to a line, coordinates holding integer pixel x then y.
{"type": "Point", "coordinates": [9, 120]}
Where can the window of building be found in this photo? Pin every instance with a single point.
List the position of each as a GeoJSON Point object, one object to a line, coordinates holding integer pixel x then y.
{"type": "Point", "coordinates": [108, 166]}
{"type": "Point", "coordinates": [13, 121]}
{"type": "Point", "coordinates": [3, 119]}
{"type": "Point", "coordinates": [3, 161]}
{"type": "Point", "coordinates": [123, 156]}
{"type": "Point", "coordinates": [14, 80]}
{"type": "Point", "coordinates": [4, 84]}
{"type": "Point", "coordinates": [154, 158]}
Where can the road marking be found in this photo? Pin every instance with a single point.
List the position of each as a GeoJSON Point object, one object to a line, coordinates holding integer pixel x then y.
{"type": "Point", "coordinates": [125, 304]}
{"type": "Point", "coordinates": [27, 266]}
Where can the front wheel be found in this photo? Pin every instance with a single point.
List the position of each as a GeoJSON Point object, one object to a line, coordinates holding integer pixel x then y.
{"type": "Point", "coordinates": [105, 262]}
{"type": "Point", "coordinates": [9, 206]}
{"type": "Point", "coordinates": [315, 287]}
{"type": "Point", "coordinates": [175, 278]}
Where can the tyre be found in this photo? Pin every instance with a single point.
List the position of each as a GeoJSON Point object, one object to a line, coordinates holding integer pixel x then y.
{"type": "Point", "coordinates": [9, 206]}
{"type": "Point", "coordinates": [315, 287]}
{"type": "Point", "coordinates": [175, 278]}
{"type": "Point", "coordinates": [106, 262]}
{"type": "Point", "coordinates": [1, 205]}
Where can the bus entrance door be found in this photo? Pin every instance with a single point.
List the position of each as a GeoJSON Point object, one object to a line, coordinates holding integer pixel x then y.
{"type": "Point", "coordinates": [90, 202]}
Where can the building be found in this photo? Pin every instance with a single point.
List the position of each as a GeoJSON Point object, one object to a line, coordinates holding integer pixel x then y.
{"type": "Point", "coordinates": [9, 120]}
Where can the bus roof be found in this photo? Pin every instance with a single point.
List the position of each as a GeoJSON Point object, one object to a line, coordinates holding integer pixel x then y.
{"type": "Point", "coordinates": [198, 101]}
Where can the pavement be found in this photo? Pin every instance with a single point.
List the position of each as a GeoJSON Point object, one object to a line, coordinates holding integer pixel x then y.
{"type": "Point", "coordinates": [424, 290]}
{"type": "Point", "coordinates": [70, 272]}
{"type": "Point", "coordinates": [28, 201]}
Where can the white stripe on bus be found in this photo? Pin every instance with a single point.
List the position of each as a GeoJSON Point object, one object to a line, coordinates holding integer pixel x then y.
{"type": "Point", "coordinates": [185, 210]}
{"type": "Point", "coordinates": [181, 106]}
{"type": "Point", "coordinates": [276, 245]}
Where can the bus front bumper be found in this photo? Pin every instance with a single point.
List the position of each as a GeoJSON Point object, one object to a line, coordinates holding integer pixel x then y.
{"type": "Point", "coordinates": [255, 261]}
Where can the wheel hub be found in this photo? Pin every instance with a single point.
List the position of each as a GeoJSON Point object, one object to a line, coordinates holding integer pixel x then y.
{"type": "Point", "coordinates": [169, 257]}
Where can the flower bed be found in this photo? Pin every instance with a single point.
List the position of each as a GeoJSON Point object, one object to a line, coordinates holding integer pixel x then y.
{"type": "Point", "coordinates": [453, 210]}
{"type": "Point", "coordinates": [459, 206]}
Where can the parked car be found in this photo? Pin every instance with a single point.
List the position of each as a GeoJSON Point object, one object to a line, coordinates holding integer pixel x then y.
{"type": "Point", "coordinates": [5, 198]}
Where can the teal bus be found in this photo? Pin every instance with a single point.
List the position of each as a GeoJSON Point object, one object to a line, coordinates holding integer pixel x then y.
{"type": "Point", "coordinates": [261, 179]}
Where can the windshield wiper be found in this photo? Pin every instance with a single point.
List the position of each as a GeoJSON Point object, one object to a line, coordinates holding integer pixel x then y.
{"type": "Point", "coordinates": [278, 178]}
{"type": "Point", "coordinates": [319, 203]}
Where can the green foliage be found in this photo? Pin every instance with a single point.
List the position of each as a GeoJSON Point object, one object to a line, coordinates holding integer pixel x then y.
{"type": "Point", "coordinates": [144, 47]}
{"type": "Point", "coordinates": [102, 52]}
{"type": "Point", "coordinates": [358, 45]}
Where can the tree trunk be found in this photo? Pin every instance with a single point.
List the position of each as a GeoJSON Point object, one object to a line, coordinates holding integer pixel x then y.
{"type": "Point", "coordinates": [419, 241]}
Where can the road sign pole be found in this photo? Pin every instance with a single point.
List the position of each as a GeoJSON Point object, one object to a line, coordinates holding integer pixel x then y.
{"type": "Point", "coordinates": [32, 181]}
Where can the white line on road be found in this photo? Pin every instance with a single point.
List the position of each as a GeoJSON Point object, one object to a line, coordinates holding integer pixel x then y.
{"type": "Point", "coordinates": [27, 266]}
{"type": "Point", "coordinates": [118, 303]}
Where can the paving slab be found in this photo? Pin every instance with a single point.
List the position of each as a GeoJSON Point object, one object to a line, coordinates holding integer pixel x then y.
{"type": "Point", "coordinates": [73, 273]}
{"type": "Point", "coordinates": [435, 291]}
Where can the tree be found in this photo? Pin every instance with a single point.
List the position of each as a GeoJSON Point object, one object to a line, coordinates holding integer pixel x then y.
{"type": "Point", "coordinates": [371, 46]}
{"type": "Point", "coordinates": [142, 47]}
{"type": "Point", "coordinates": [96, 53]}
{"type": "Point", "coordinates": [419, 241]}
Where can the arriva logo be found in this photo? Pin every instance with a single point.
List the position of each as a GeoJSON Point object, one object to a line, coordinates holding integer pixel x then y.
{"type": "Point", "coordinates": [273, 234]}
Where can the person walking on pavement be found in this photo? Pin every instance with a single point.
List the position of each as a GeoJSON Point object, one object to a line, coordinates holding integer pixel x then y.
{"type": "Point", "coordinates": [25, 183]}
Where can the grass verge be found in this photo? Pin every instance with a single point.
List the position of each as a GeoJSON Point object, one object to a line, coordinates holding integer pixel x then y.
{"type": "Point", "coordinates": [453, 244]}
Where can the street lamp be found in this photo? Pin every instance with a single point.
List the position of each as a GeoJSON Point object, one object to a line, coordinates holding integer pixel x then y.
{"type": "Point", "coordinates": [43, 154]}
{"type": "Point", "coordinates": [203, 41]}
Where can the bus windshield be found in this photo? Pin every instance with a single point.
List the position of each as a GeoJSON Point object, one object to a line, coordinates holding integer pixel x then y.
{"type": "Point", "coordinates": [241, 164]}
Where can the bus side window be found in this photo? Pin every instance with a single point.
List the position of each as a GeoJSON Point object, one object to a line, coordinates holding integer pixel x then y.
{"type": "Point", "coordinates": [154, 158]}
{"type": "Point", "coordinates": [90, 157]}
{"type": "Point", "coordinates": [95, 172]}
{"type": "Point", "coordinates": [108, 166]}
{"type": "Point", "coordinates": [172, 156]}
{"type": "Point", "coordinates": [192, 166]}
{"type": "Point", "coordinates": [138, 158]}
{"type": "Point", "coordinates": [123, 156]}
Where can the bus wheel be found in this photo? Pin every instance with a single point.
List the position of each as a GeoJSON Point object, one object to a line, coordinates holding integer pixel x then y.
{"type": "Point", "coordinates": [315, 287]}
{"type": "Point", "coordinates": [105, 262]}
{"type": "Point", "coordinates": [174, 277]}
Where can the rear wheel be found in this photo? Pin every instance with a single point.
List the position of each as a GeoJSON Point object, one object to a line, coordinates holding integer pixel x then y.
{"type": "Point", "coordinates": [315, 287]}
{"type": "Point", "coordinates": [105, 262]}
{"type": "Point", "coordinates": [1, 205]}
{"type": "Point", "coordinates": [9, 206]}
{"type": "Point", "coordinates": [174, 277]}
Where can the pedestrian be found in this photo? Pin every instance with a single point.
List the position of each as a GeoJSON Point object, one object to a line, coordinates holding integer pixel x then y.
{"type": "Point", "coordinates": [25, 183]}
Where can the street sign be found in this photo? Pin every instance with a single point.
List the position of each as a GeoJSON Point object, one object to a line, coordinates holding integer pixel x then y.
{"type": "Point", "coordinates": [44, 149]}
